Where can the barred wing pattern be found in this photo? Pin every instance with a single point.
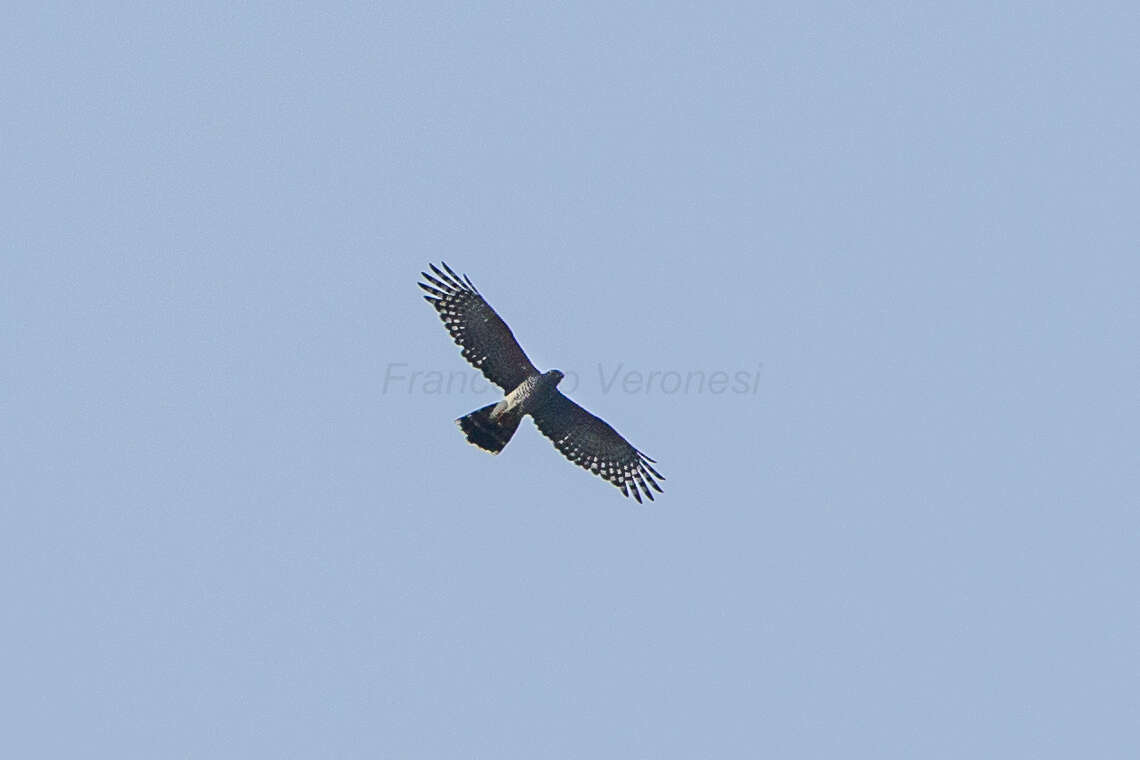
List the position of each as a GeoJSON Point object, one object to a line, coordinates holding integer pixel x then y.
{"type": "Point", "coordinates": [589, 442]}
{"type": "Point", "coordinates": [487, 343]}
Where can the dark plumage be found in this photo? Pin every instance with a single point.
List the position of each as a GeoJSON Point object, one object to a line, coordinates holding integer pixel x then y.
{"type": "Point", "coordinates": [489, 345]}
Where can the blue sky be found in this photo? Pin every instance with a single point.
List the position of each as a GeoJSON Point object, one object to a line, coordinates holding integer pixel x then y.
{"type": "Point", "coordinates": [228, 532]}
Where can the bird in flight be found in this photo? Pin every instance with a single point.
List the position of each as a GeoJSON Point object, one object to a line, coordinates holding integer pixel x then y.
{"type": "Point", "coordinates": [490, 346]}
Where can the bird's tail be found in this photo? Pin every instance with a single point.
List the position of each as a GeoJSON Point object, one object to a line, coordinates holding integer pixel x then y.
{"type": "Point", "coordinates": [487, 433]}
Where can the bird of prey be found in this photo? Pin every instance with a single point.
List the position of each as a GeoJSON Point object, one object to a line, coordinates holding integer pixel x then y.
{"type": "Point", "coordinates": [489, 346]}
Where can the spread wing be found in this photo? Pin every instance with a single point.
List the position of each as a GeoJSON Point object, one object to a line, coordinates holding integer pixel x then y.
{"type": "Point", "coordinates": [486, 340]}
{"type": "Point", "coordinates": [589, 442]}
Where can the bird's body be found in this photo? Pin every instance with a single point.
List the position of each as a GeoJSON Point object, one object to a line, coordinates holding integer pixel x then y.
{"type": "Point", "coordinates": [529, 395]}
{"type": "Point", "coordinates": [490, 346]}
{"type": "Point", "coordinates": [491, 427]}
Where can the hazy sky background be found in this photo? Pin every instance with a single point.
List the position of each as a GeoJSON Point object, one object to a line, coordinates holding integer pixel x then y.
{"type": "Point", "coordinates": [915, 536]}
